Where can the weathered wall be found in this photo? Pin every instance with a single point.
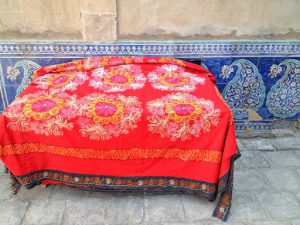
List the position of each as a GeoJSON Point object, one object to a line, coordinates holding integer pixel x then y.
{"type": "Point", "coordinates": [110, 20]}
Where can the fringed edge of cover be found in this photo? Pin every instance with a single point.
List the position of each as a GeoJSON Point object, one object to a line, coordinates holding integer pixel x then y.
{"type": "Point", "coordinates": [222, 208]}
{"type": "Point", "coordinates": [15, 185]}
{"type": "Point", "coordinates": [224, 203]}
{"type": "Point", "coordinates": [5, 169]}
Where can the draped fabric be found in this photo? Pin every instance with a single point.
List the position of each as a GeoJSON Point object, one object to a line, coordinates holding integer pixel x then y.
{"type": "Point", "coordinates": [125, 124]}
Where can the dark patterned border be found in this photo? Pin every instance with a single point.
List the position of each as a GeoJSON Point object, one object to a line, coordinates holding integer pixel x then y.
{"type": "Point", "coordinates": [224, 204]}
{"type": "Point", "coordinates": [144, 184]}
{"type": "Point", "coordinates": [126, 184]}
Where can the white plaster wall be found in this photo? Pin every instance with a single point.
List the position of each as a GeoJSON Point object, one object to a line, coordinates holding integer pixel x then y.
{"type": "Point", "coordinates": [110, 20]}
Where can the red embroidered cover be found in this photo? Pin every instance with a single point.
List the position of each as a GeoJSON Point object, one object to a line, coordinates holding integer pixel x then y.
{"type": "Point", "coordinates": [132, 123]}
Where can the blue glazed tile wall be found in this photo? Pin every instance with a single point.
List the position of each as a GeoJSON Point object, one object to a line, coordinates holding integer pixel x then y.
{"type": "Point", "coordinates": [259, 80]}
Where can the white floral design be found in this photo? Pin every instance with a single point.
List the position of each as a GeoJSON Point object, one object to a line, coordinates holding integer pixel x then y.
{"type": "Point", "coordinates": [174, 78]}
{"type": "Point", "coordinates": [12, 73]}
{"type": "Point", "coordinates": [103, 116]}
{"type": "Point", "coordinates": [274, 71]}
{"type": "Point", "coordinates": [61, 81]}
{"type": "Point", "coordinates": [226, 71]}
{"type": "Point", "coordinates": [118, 78]}
{"type": "Point", "coordinates": [181, 116]}
{"type": "Point", "coordinates": [47, 113]}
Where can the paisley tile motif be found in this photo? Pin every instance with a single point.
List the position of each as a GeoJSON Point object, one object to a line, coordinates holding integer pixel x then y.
{"type": "Point", "coordinates": [28, 67]}
{"type": "Point", "coordinates": [283, 100]}
{"type": "Point", "coordinates": [246, 90]}
{"type": "Point", "coordinates": [4, 100]}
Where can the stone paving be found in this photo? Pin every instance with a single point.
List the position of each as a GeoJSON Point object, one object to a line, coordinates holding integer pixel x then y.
{"type": "Point", "coordinates": [266, 192]}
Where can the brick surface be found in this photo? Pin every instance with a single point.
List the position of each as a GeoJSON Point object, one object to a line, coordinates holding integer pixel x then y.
{"type": "Point", "coordinates": [200, 222]}
{"type": "Point", "coordinates": [283, 179]}
{"type": "Point", "coordinates": [163, 209]}
{"type": "Point", "coordinates": [240, 144]}
{"type": "Point", "coordinates": [260, 144]}
{"type": "Point", "coordinates": [286, 143]}
{"type": "Point", "coordinates": [297, 196]}
{"type": "Point", "coordinates": [125, 209]}
{"type": "Point", "coordinates": [100, 27]}
{"type": "Point", "coordinates": [270, 222]}
{"type": "Point", "coordinates": [296, 221]}
{"type": "Point", "coordinates": [10, 5]}
{"type": "Point", "coordinates": [80, 212]}
{"type": "Point", "coordinates": [5, 192]}
{"type": "Point", "coordinates": [45, 212]}
{"type": "Point", "coordinates": [1, 168]}
{"type": "Point", "coordinates": [298, 171]}
{"type": "Point", "coordinates": [249, 180]}
{"type": "Point", "coordinates": [65, 193]}
{"type": "Point", "coordinates": [12, 211]}
{"type": "Point", "coordinates": [279, 204]}
{"type": "Point", "coordinates": [38, 192]}
{"type": "Point", "coordinates": [297, 152]}
{"type": "Point", "coordinates": [197, 208]}
{"type": "Point", "coordinates": [284, 158]}
{"type": "Point", "coordinates": [254, 159]}
{"type": "Point", "coordinates": [245, 206]}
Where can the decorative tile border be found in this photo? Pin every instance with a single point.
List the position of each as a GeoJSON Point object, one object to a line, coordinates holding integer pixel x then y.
{"type": "Point", "coordinates": [260, 80]}
{"type": "Point", "coordinates": [180, 49]}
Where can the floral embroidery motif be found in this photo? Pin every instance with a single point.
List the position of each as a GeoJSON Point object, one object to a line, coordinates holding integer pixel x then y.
{"type": "Point", "coordinates": [42, 112]}
{"type": "Point", "coordinates": [275, 70]}
{"type": "Point", "coordinates": [43, 107]}
{"type": "Point", "coordinates": [12, 73]}
{"type": "Point", "coordinates": [61, 81]}
{"type": "Point", "coordinates": [205, 155]}
{"type": "Point", "coordinates": [104, 116]}
{"type": "Point", "coordinates": [105, 111]}
{"type": "Point", "coordinates": [226, 71]}
{"type": "Point", "coordinates": [183, 111]}
{"type": "Point", "coordinates": [118, 78]}
{"type": "Point", "coordinates": [173, 78]}
{"type": "Point", "coordinates": [171, 60]}
{"type": "Point", "coordinates": [181, 116]}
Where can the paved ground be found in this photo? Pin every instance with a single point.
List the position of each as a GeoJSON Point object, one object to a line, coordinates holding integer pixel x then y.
{"type": "Point", "coordinates": [267, 192]}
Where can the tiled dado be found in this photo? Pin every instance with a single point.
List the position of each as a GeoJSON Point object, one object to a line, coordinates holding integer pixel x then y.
{"type": "Point", "coordinates": [259, 80]}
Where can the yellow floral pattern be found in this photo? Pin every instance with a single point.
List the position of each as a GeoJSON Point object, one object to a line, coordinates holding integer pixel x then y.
{"type": "Point", "coordinates": [125, 78]}
{"type": "Point", "coordinates": [118, 78]}
{"type": "Point", "coordinates": [181, 116]}
{"type": "Point", "coordinates": [107, 105]}
{"type": "Point", "coordinates": [170, 77]}
{"type": "Point", "coordinates": [43, 107]}
{"type": "Point", "coordinates": [183, 106]}
{"type": "Point", "coordinates": [103, 116]}
{"type": "Point", "coordinates": [47, 113]}
{"type": "Point", "coordinates": [174, 79]}
{"type": "Point", "coordinates": [61, 81]}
